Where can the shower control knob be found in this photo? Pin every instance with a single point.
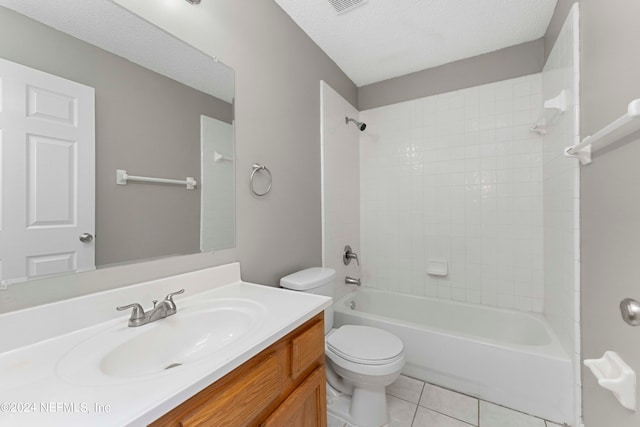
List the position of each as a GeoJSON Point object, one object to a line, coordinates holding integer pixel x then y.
{"type": "Point", "coordinates": [348, 255]}
{"type": "Point", "coordinates": [630, 310]}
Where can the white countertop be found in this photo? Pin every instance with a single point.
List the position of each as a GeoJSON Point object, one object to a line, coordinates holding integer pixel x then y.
{"type": "Point", "coordinates": [33, 393]}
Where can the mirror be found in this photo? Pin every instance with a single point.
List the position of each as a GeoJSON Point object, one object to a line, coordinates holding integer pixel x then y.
{"type": "Point", "coordinates": [159, 104]}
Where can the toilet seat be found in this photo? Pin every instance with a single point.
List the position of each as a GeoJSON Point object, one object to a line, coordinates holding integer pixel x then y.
{"type": "Point", "coordinates": [365, 350]}
{"type": "Point", "coordinates": [364, 344]}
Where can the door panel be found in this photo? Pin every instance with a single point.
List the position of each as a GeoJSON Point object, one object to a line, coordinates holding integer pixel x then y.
{"type": "Point", "coordinates": [44, 265]}
{"type": "Point", "coordinates": [47, 105]}
{"type": "Point", "coordinates": [51, 182]}
{"type": "Point", "coordinates": [47, 183]}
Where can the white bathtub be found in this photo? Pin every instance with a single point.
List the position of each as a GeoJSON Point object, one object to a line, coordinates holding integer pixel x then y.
{"type": "Point", "coordinates": [507, 357]}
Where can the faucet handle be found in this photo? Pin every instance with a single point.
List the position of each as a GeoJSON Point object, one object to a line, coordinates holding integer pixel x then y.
{"type": "Point", "coordinates": [348, 255]}
{"type": "Point", "coordinates": [170, 296]}
{"type": "Point", "coordinates": [136, 314]}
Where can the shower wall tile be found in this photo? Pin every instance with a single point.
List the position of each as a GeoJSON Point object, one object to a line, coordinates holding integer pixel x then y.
{"type": "Point", "coordinates": [456, 176]}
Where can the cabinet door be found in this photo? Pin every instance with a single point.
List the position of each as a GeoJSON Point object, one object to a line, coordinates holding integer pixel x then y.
{"type": "Point", "coordinates": [305, 407]}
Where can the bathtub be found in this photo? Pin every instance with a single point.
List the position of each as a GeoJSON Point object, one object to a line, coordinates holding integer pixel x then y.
{"type": "Point", "coordinates": [503, 356]}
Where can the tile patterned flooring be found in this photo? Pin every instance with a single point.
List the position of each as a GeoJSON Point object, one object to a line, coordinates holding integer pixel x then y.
{"type": "Point", "coordinates": [413, 403]}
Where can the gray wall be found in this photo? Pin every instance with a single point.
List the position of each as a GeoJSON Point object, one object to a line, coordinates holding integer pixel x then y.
{"type": "Point", "coordinates": [277, 112]}
{"type": "Point", "coordinates": [511, 62]}
{"type": "Point", "coordinates": [278, 72]}
{"type": "Point", "coordinates": [507, 63]}
{"type": "Point", "coordinates": [610, 205]}
{"type": "Point", "coordinates": [555, 25]}
{"type": "Point", "coordinates": [145, 123]}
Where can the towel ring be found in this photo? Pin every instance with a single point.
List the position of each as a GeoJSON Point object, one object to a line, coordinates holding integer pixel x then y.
{"type": "Point", "coordinates": [258, 167]}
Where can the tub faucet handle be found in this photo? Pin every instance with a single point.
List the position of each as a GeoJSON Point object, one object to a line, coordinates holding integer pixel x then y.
{"type": "Point", "coordinates": [348, 255]}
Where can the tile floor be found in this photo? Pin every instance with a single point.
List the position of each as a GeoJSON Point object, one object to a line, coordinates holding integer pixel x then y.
{"type": "Point", "coordinates": [413, 403]}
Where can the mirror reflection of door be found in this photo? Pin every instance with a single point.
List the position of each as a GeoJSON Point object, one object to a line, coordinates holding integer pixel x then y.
{"type": "Point", "coordinates": [217, 228]}
{"type": "Point", "coordinates": [47, 158]}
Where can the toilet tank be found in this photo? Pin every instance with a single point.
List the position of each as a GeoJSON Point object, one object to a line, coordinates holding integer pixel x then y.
{"type": "Point", "coordinates": [315, 280]}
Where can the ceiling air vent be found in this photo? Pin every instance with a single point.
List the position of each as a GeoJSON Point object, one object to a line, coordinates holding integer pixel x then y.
{"type": "Point", "coordinates": [343, 6]}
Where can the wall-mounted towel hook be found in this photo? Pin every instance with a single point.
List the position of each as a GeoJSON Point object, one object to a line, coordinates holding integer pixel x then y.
{"type": "Point", "coordinates": [553, 108]}
{"type": "Point", "coordinates": [218, 157]}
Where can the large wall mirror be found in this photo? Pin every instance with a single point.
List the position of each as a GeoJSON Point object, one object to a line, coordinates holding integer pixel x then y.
{"type": "Point", "coordinates": [86, 89]}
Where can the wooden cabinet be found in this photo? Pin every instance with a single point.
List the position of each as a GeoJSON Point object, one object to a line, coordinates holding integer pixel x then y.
{"type": "Point", "coordinates": [283, 385]}
{"type": "Point", "coordinates": [306, 406]}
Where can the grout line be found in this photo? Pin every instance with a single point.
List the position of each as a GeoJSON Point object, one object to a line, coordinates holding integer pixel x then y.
{"type": "Point", "coordinates": [511, 409]}
{"type": "Point", "coordinates": [415, 414]}
{"type": "Point", "coordinates": [472, 397]}
{"type": "Point", "coordinates": [449, 416]}
{"type": "Point", "coordinates": [421, 393]}
{"type": "Point", "coordinates": [424, 383]}
{"type": "Point", "coordinates": [401, 398]}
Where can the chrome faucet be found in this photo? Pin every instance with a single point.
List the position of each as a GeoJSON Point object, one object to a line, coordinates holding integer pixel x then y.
{"type": "Point", "coordinates": [351, 281]}
{"type": "Point", "coordinates": [166, 308]}
{"type": "Point", "coordinates": [348, 255]}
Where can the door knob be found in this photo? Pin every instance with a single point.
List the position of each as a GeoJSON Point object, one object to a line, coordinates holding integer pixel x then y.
{"type": "Point", "coordinates": [630, 310]}
{"type": "Point", "coordinates": [86, 237]}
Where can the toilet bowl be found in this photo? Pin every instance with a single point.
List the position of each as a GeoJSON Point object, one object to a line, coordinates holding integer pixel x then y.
{"type": "Point", "coordinates": [366, 360]}
{"type": "Point", "coordinates": [361, 360]}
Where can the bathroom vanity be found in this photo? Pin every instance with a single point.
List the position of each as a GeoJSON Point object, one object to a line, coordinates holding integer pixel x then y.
{"type": "Point", "coordinates": [283, 385]}
{"type": "Point", "coordinates": [234, 353]}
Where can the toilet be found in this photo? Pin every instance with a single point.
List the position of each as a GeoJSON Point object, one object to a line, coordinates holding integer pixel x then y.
{"type": "Point", "coordinates": [361, 360]}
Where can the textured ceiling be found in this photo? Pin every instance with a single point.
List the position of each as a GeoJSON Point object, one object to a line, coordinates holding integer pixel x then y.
{"type": "Point", "coordinates": [112, 28]}
{"type": "Point", "coordinates": [382, 39]}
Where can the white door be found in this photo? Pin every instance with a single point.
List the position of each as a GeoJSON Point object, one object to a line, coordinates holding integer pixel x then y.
{"type": "Point", "coordinates": [217, 189]}
{"type": "Point", "coordinates": [47, 178]}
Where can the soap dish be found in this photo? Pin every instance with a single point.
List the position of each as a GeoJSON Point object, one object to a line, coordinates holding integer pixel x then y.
{"type": "Point", "coordinates": [437, 267]}
{"type": "Point", "coordinates": [616, 376]}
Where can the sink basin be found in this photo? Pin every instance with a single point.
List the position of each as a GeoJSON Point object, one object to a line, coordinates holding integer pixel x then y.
{"type": "Point", "coordinates": [193, 334]}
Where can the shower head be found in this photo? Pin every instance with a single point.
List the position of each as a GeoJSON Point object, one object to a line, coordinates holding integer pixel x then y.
{"type": "Point", "coordinates": [361, 126]}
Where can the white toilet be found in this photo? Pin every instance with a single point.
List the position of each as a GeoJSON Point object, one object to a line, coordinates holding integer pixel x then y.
{"type": "Point", "coordinates": [361, 360]}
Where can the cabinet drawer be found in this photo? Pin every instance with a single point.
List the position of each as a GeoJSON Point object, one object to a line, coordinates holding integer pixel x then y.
{"type": "Point", "coordinates": [306, 348]}
{"type": "Point", "coordinates": [239, 404]}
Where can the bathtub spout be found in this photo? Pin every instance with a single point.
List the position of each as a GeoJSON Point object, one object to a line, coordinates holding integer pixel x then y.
{"type": "Point", "coordinates": [351, 281]}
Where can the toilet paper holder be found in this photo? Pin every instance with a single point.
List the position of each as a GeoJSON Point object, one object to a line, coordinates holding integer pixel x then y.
{"type": "Point", "coordinates": [616, 376]}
